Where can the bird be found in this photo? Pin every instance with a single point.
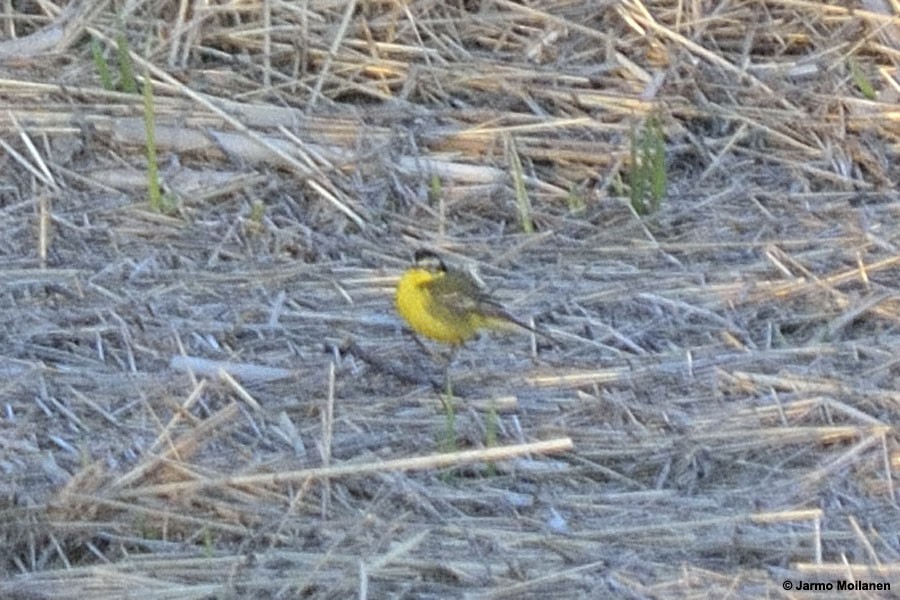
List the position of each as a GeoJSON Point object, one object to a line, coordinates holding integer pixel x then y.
{"type": "Point", "coordinates": [448, 305]}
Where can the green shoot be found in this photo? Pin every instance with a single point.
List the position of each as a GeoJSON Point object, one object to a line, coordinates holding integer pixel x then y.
{"type": "Point", "coordinates": [518, 177]}
{"type": "Point", "coordinates": [208, 545]}
{"type": "Point", "coordinates": [127, 82]}
{"type": "Point", "coordinates": [861, 80]}
{"type": "Point", "coordinates": [575, 201]}
{"type": "Point", "coordinates": [434, 189]}
{"type": "Point", "coordinates": [102, 65]}
{"type": "Point", "coordinates": [647, 175]}
{"type": "Point", "coordinates": [153, 190]}
{"type": "Point", "coordinates": [491, 425]}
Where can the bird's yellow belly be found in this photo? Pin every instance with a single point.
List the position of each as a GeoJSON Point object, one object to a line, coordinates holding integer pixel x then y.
{"type": "Point", "coordinates": [416, 306]}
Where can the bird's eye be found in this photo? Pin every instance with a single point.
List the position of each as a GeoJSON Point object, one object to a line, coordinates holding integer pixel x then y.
{"type": "Point", "coordinates": [428, 260]}
{"type": "Point", "coordinates": [435, 266]}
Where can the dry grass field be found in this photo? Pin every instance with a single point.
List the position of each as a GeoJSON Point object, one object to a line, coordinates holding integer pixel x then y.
{"type": "Point", "coordinates": [215, 398]}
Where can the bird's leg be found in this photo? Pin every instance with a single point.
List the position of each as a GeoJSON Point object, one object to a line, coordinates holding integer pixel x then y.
{"type": "Point", "coordinates": [449, 444]}
{"type": "Point", "coordinates": [447, 396]}
{"type": "Point", "coordinates": [436, 356]}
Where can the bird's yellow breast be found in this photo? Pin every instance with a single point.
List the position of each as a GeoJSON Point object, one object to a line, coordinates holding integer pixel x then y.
{"type": "Point", "coordinates": [425, 314]}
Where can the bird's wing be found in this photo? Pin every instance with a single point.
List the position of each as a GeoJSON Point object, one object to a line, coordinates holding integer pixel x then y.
{"type": "Point", "coordinates": [464, 297]}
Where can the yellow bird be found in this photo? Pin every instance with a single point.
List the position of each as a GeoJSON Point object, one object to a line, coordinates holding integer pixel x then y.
{"type": "Point", "coordinates": [447, 305]}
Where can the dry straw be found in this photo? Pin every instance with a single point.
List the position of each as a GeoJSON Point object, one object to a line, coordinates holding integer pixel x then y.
{"type": "Point", "coordinates": [218, 400]}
